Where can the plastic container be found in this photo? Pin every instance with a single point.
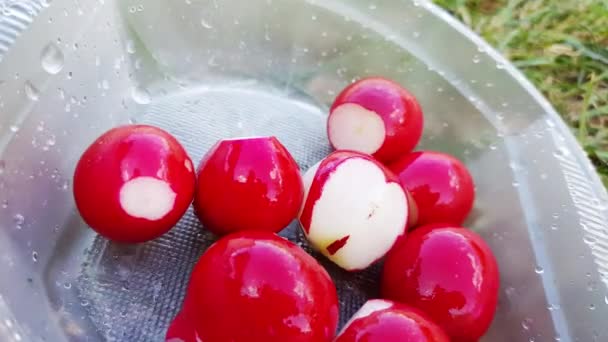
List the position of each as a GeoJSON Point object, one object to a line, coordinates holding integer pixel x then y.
{"type": "Point", "coordinates": [205, 69]}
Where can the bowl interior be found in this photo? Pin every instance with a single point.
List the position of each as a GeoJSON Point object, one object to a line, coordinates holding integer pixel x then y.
{"type": "Point", "coordinates": [206, 70]}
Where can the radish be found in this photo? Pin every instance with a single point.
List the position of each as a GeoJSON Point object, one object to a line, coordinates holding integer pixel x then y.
{"type": "Point", "coordinates": [440, 185]}
{"type": "Point", "coordinates": [257, 286]}
{"type": "Point", "coordinates": [354, 209]}
{"type": "Point", "coordinates": [450, 274]}
{"type": "Point", "coordinates": [248, 184]}
{"type": "Point", "coordinates": [383, 321]}
{"type": "Point", "coordinates": [375, 116]}
{"type": "Point", "coordinates": [133, 183]}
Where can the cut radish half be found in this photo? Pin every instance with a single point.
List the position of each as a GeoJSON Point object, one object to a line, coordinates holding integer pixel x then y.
{"type": "Point", "coordinates": [147, 197]}
{"type": "Point", "coordinates": [354, 209]}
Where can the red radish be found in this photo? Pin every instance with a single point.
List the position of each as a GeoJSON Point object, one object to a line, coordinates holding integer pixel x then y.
{"type": "Point", "coordinates": [354, 209]}
{"type": "Point", "coordinates": [133, 183]}
{"type": "Point", "coordinates": [440, 185]}
{"type": "Point", "coordinates": [375, 116]}
{"type": "Point", "coordinates": [257, 286]}
{"type": "Point", "coordinates": [448, 273]}
{"type": "Point", "coordinates": [384, 321]}
{"type": "Point", "coordinates": [248, 184]}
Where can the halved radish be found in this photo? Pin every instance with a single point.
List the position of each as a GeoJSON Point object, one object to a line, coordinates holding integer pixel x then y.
{"type": "Point", "coordinates": [450, 274]}
{"type": "Point", "coordinates": [440, 185]}
{"type": "Point", "coordinates": [384, 321]}
{"type": "Point", "coordinates": [257, 286]}
{"type": "Point", "coordinates": [248, 184]}
{"type": "Point", "coordinates": [354, 209]}
{"type": "Point", "coordinates": [133, 183]}
{"type": "Point", "coordinates": [375, 116]}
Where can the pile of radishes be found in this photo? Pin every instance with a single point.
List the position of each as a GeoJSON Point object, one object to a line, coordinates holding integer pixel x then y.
{"type": "Point", "coordinates": [371, 199]}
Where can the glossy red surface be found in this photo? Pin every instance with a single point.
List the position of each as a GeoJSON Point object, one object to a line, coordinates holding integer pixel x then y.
{"type": "Point", "coordinates": [118, 156]}
{"type": "Point", "coordinates": [440, 185]}
{"type": "Point", "coordinates": [256, 286]}
{"type": "Point", "coordinates": [448, 273]}
{"type": "Point", "coordinates": [248, 184]}
{"type": "Point", "coordinates": [397, 323]}
{"type": "Point", "coordinates": [400, 111]}
{"type": "Point", "coordinates": [326, 168]}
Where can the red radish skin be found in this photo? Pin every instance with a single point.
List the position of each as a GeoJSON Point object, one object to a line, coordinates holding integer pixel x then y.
{"type": "Point", "coordinates": [448, 273]}
{"type": "Point", "coordinates": [248, 184]}
{"type": "Point", "coordinates": [375, 116]}
{"type": "Point", "coordinates": [440, 185]}
{"type": "Point", "coordinates": [257, 286]}
{"type": "Point", "coordinates": [133, 183]}
{"type": "Point", "coordinates": [386, 321]}
{"type": "Point", "coordinates": [354, 209]}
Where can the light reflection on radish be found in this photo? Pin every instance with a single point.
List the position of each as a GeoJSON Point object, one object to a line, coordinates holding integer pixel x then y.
{"type": "Point", "coordinates": [375, 116]}
{"type": "Point", "coordinates": [133, 183]}
{"type": "Point", "coordinates": [354, 209]}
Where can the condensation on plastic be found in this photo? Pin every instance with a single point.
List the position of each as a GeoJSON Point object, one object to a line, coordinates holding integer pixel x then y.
{"type": "Point", "coordinates": [211, 69]}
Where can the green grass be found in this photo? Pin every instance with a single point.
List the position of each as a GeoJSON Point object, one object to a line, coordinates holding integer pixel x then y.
{"type": "Point", "coordinates": [562, 47]}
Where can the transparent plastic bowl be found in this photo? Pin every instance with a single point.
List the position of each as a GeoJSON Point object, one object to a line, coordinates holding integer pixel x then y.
{"type": "Point", "coordinates": [206, 69]}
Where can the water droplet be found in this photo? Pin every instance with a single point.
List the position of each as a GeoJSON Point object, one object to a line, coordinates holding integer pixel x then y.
{"type": "Point", "coordinates": [19, 220]}
{"type": "Point", "coordinates": [130, 47]}
{"type": "Point", "coordinates": [500, 66]}
{"type": "Point", "coordinates": [510, 291]}
{"type": "Point", "coordinates": [416, 34]}
{"type": "Point", "coordinates": [67, 285]}
{"type": "Point", "coordinates": [31, 91]}
{"type": "Point", "coordinates": [554, 227]}
{"type": "Point", "coordinates": [51, 59]}
{"type": "Point", "coordinates": [84, 302]}
{"type": "Point", "coordinates": [526, 323]}
{"type": "Point", "coordinates": [590, 240]}
{"type": "Point", "coordinates": [140, 95]}
{"type": "Point", "coordinates": [205, 24]}
{"type": "Point", "coordinates": [515, 184]}
{"type": "Point", "coordinates": [493, 147]}
{"type": "Point", "coordinates": [35, 256]}
{"type": "Point", "coordinates": [4, 204]}
{"type": "Point", "coordinates": [539, 270]}
{"type": "Point", "coordinates": [543, 176]}
{"type": "Point", "coordinates": [606, 299]}
{"type": "Point", "coordinates": [476, 59]}
{"type": "Point", "coordinates": [51, 140]}
{"type": "Point", "coordinates": [591, 307]}
{"type": "Point", "coordinates": [313, 18]}
{"type": "Point", "coordinates": [561, 152]}
{"type": "Point", "coordinates": [105, 85]}
{"type": "Point", "coordinates": [372, 6]}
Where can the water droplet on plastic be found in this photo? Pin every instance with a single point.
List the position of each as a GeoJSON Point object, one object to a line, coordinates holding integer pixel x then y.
{"type": "Point", "coordinates": [84, 302]}
{"type": "Point", "coordinates": [141, 96]}
{"type": "Point", "coordinates": [526, 323]}
{"type": "Point", "coordinates": [67, 285]}
{"type": "Point", "coordinates": [539, 270]}
{"type": "Point", "coordinates": [510, 291]}
{"type": "Point", "coordinates": [591, 307]}
{"type": "Point", "coordinates": [105, 85]}
{"type": "Point", "coordinates": [515, 184]}
{"type": "Point", "coordinates": [19, 220]}
{"type": "Point", "coordinates": [14, 128]}
{"type": "Point", "coordinates": [313, 18]}
{"type": "Point", "coordinates": [35, 256]}
{"type": "Point", "coordinates": [493, 147]}
{"type": "Point", "coordinates": [416, 34]}
{"type": "Point", "coordinates": [130, 46]}
{"type": "Point", "coordinates": [500, 66]}
{"type": "Point", "coordinates": [554, 227]}
{"type": "Point", "coordinates": [606, 299]}
{"type": "Point", "coordinates": [31, 91]}
{"type": "Point", "coordinates": [372, 7]}
{"type": "Point", "coordinates": [476, 59]}
{"type": "Point", "coordinates": [4, 204]}
{"type": "Point", "coordinates": [543, 176]}
{"type": "Point", "coordinates": [205, 24]}
{"type": "Point", "coordinates": [51, 140]}
{"type": "Point", "coordinates": [51, 59]}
